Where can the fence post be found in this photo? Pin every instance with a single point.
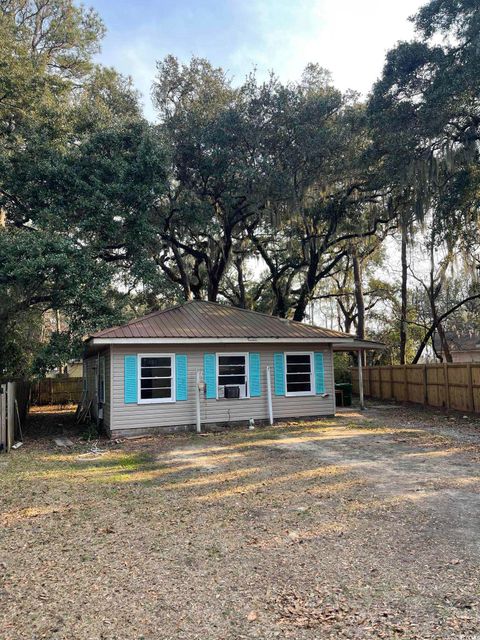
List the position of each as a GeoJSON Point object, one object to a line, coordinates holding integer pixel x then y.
{"type": "Point", "coordinates": [11, 392]}
{"type": "Point", "coordinates": [446, 386]}
{"type": "Point", "coordinates": [392, 397]}
{"type": "Point", "coordinates": [3, 417]}
{"type": "Point", "coordinates": [360, 380]}
{"type": "Point", "coordinates": [405, 381]}
{"type": "Point", "coordinates": [425, 384]}
{"type": "Point", "coordinates": [471, 398]}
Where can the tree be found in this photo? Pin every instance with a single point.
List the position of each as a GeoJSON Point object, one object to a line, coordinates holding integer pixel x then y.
{"type": "Point", "coordinates": [54, 108]}
{"type": "Point", "coordinates": [322, 193]}
{"type": "Point", "coordinates": [217, 182]}
{"type": "Point", "coordinates": [425, 119]}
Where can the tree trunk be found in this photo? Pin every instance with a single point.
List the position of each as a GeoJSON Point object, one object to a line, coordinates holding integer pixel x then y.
{"type": "Point", "coordinates": [360, 302]}
{"type": "Point", "coordinates": [281, 303]}
{"type": "Point", "coordinates": [242, 300]}
{"type": "Point", "coordinates": [433, 293]}
{"type": "Point", "coordinates": [308, 287]}
{"type": "Point", "coordinates": [444, 342]}
{"type": "Point", "coordinates": [404, 289]}
{"type": "Point", "coordinates": [185, 280]}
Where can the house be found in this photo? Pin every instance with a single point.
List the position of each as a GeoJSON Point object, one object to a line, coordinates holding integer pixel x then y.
{"type": "Point", "coordinates": [73, 369]}
{"type": "Point", "coordinates": [464, 347]}
{"type": "Point", "coordinates": [202, 363]}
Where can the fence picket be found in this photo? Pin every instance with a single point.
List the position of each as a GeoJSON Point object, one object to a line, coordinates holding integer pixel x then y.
{"type": "Point", "coordinates": [57, 391]}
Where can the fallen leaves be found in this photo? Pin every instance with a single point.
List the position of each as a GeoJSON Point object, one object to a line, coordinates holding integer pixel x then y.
{"type": "Point", "coordinates": [291, 533]}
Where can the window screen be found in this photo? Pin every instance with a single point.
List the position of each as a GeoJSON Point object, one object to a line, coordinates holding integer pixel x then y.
{"type": "Point", "coordinates": [156, 383]}
{"type": "Point", "coordinates": [299, 373]}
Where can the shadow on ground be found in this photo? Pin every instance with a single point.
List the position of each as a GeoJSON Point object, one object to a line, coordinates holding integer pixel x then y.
{"type": "Point", "coordinates": [364, 526]}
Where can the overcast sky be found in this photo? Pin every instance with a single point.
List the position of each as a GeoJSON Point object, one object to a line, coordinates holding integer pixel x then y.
{"type": "Point", "coordinates": [348, 37]}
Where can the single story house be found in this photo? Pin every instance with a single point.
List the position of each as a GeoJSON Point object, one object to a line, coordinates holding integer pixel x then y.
{"type": "Point", "coordinates": [203, 363]}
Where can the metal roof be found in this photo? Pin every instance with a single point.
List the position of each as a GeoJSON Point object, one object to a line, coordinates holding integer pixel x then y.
{"type": "Point", "coordinates": [208, 320]}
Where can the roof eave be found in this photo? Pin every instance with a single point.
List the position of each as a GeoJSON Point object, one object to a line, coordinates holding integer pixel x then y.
{"type": "Point", "coordinates": [213, 340]}
{"type": "Point", "coordinates": [355, 344]}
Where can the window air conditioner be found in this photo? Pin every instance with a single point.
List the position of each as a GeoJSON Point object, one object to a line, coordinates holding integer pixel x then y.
{"type": "Point", "coordinates": [232, 392]}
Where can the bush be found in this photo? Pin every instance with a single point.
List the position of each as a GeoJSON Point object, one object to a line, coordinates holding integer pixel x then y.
{"type": "Point", "coordinates": [342, 364]}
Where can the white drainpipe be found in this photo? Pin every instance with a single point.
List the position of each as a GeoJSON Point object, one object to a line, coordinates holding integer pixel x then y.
{"type": "Point", "coordinates": [269, 396]}
{"type": "Point", "coordinates": [197, 401]}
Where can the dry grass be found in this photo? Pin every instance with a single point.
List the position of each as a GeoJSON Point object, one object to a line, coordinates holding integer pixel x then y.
{"type": "Point", "coordinates": [359, 527]}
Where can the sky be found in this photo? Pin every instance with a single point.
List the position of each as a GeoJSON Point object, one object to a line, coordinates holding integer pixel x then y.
{"type": "Point", "coordinates": [347, 37]}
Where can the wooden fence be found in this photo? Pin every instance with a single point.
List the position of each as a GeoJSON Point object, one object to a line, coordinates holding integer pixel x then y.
{"type": "Point", "coordinates": [452, 386]}
{"type": "Point", "coordinates": [57, 391]}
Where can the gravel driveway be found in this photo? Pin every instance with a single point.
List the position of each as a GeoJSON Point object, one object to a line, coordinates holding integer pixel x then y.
{"type": "Point", "coordinates": [363, 526]}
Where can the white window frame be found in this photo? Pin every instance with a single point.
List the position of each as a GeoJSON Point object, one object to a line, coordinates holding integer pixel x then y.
{"type": "Point", "coordinates": [247, 381]}
{"type": "Point", "coordinates": [101, 374]}
{"type": "Point", "coordinates": [140, 400]}
{"type": "Point", "coordinates": [312, 374]}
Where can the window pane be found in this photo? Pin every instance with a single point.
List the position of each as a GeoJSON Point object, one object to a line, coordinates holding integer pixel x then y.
{"type": "Point", "coordinates": [231, 369]}
{"type": "Point", "coordinates": [301, 358]}
{"type": "Point", "coordinates": [296, 387]}
{"type": "Point", "coordinates": [157, 362]}
{"type": "Point", "coordinates": [298, 377]}
{"type": "Point", "coordinates": [156, 372]}
{"type": "Point", "coordinates": [231, 360]}
{"type": "Point", "coordinates": [295, 367]}
{"type": "Point", "coordinates": [231, 380]}
{"type": "Point", "coordinates": [155, 383]}
{"type": "Point", "coordinates": [154, 394]}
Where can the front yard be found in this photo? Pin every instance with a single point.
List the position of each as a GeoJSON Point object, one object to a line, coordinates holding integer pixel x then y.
{"type": "Point", "coordinates": [358, 527]}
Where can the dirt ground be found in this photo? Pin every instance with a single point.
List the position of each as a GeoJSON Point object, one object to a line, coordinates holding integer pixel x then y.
{"type": "Point", "coordinates": [362, 526]}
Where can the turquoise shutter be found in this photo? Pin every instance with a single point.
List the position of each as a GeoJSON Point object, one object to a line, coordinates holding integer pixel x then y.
{"type": "Point", "coordinates": [130, 379]}
{"type": "Point", "coordinates": [254, 375]}
{"type": "Point", "coordinates": [181, 370]}
{"type": "Point", "coordinates": [279, 373]}
{"type": "Point", "coordinates": [210, 374]}
{"type": "Point", "coordinates": [319, 373]}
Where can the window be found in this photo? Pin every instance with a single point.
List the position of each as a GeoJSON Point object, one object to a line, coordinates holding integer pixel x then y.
{"type": "Point", "coordinates": [232, 372]}
{"type": "Point", "coordinates": [156, 378]}
{"type": "Point", "coordinates": [299, 374]}
{"type": "Point", "coordinates": [101, 379]}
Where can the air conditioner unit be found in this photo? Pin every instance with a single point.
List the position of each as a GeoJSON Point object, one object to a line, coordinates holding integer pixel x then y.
{"type": "Point", "coordinates": [232, 392]}
{"type": "Point", "coordinates": [221, 391]}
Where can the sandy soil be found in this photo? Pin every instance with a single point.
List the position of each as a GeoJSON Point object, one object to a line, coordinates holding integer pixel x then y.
{"type": "Point", "coordinates": [363, 526]}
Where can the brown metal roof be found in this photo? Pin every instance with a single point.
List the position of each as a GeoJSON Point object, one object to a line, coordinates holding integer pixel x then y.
{"type": "Point", "coordinates": [198, 319]}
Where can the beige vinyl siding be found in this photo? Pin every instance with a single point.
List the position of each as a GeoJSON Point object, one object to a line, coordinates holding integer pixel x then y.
{"type": "Point", "coordinates": [144, 416]}
{"type": "Point", "coordinates": [90, 365]}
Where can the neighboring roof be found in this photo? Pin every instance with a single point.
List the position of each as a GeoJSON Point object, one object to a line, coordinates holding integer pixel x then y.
{"type": "Point", "coordinates": [209, 321]}
{"type": "Point", "coordinates": [460, 342]}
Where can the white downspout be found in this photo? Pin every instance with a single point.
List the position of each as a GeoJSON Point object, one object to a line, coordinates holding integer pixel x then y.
{"type": "Point", "coordinates": [360, 380]}
{"type": "Point", "coordinates": [197, 401]}
{"type": "Point", "coordinates": [97, 397]}
{"type": "Point", "coordinates": [269, 396]}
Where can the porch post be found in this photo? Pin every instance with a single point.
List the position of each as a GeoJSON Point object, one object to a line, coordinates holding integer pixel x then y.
{"type": "Point", "coordinates": [360, 380]}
